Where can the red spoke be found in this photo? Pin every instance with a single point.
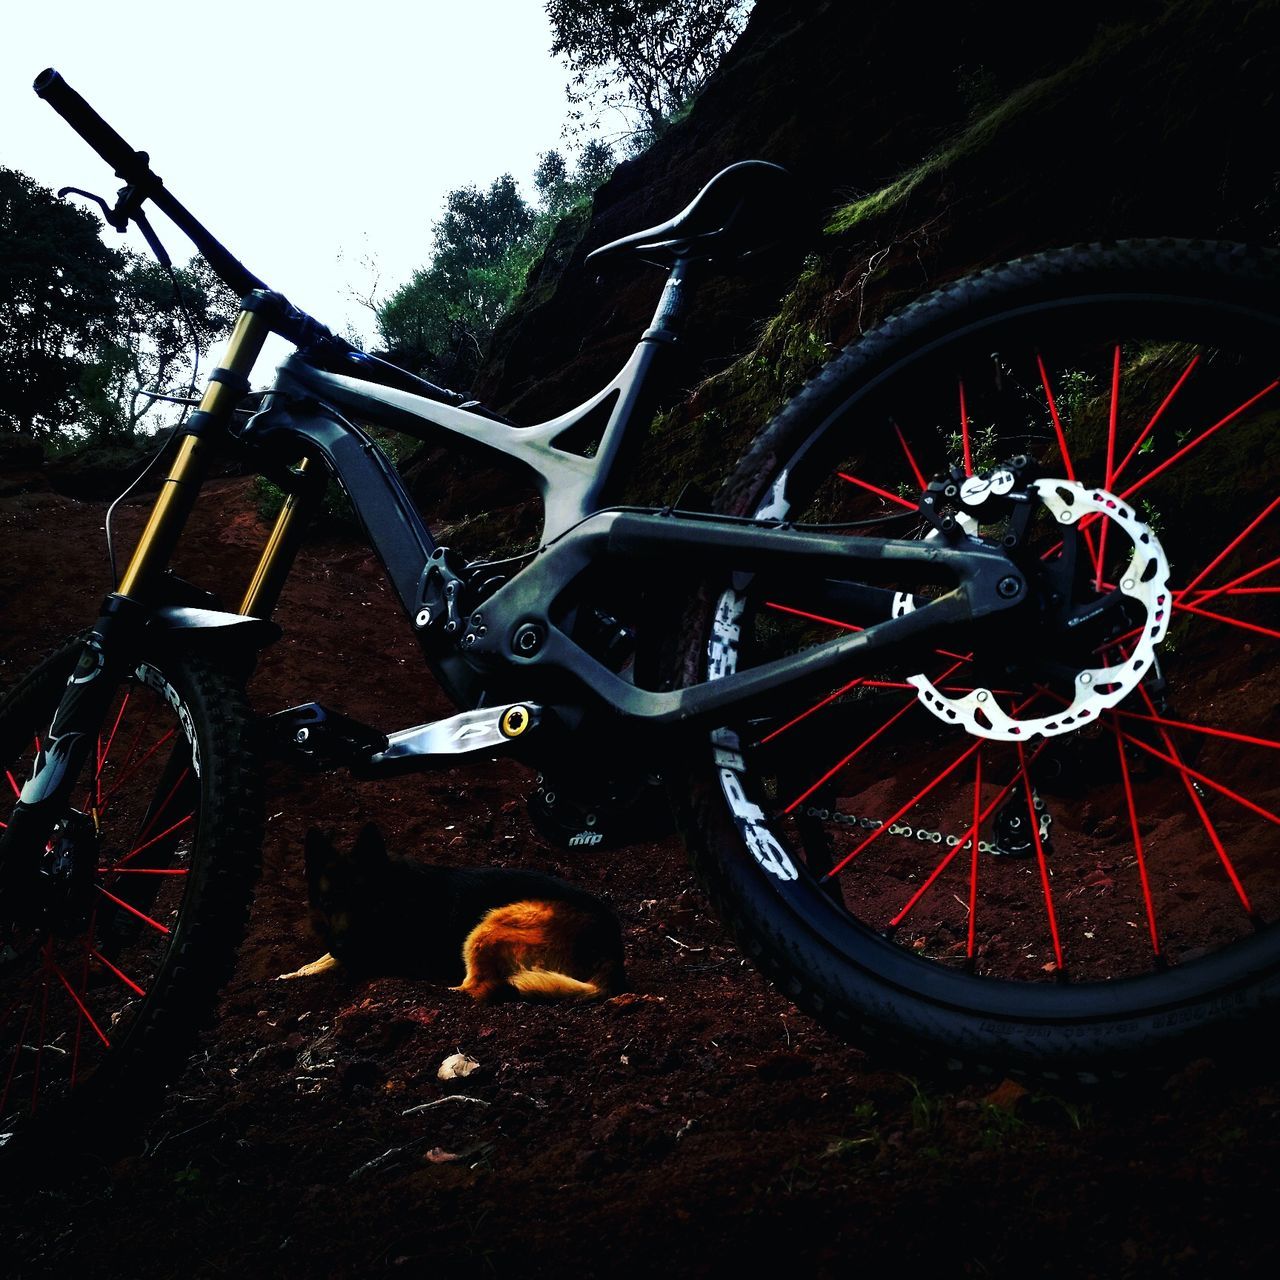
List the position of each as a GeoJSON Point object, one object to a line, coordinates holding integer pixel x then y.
{"type": "Point", "coordinates": [111, 737]}
{"type": "Point", "coordinates": [1230, 547]}
{"type": "Point", "coordinates": [804, 715]}
{"type": "Point", "coordinates": [915, 799]}
{"type": "Point", "coordinates": [947, 688]}
{"type": "Point", "coordinates": [1137, 841]}
{"type": "Point", "coordinates": [1057, 424]}
{"type": "Point", "coordinates": [879, 492]}
{"type": "Point", "coordinates": [1211, 730]}
{"type": "Point", "coordinates": [1252, 591]}
{"type": "Point", "coordinates": [1210, 830]}
{"type": "Point", "coordinates": [976, 837]}
{"type": "Point", "coordinates": [125, 776]}
{"type": "Point", "coordinates": [979, 817]}
{"type": "Point", "coordinates": [1113, 418]}
{"type": "Point", "coordinates": [104, 752]}
{"type": "Point", "coordinates": [1174, 761]}
{"type": "Point", "coordinates": [1203, 596]}
{"type": "Point", "coordinates": [1120, 640]}
{"type": "Point", "coordinates": [911, 461]}
{"type": "Point", "coordinates": [133, 911]}
{"type": "Point", "coordinates": [124, 977]}
{"type": "Point", "coordinates": [866, 742]}
{"type": "Point", "coordinates": [1041, 860]}
{"type": "Point", "coordinates": [849, 626]}
{"type": "Point", "coordinates": [155, 816]}
{"type": "Point", "coordinates": [1094, 552]}
{"type": "Point", "coordinates": [964, 433]}
{"type": "Point", "coordinates": [134, 743]}
{"type": "Point", "coordinates": [17, 790]}
{"type": "Point", "coordinates": [143, 871]}
{"type": "Point", "coordinates": [80, 1004]}
{"type": "Point", "coordinates": [1231, 622]}
{"type": "Point", "coordinates": [813, 617]}
{"type": "Point", "coordinates": [1112, 422]}
{"type": "Point", "coordinates": [1198, 441]}
{"type": "Point", "coordinates": [1146, 431]}
{"type": "Point", "coordinates": [133, 853]}
{"type": "Point", "coordinates": [928, 884]}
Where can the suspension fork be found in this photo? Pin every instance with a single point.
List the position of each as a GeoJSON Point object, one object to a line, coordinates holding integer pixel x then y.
{"type": "Point", "coordinates": [112, 645]}
{"type": "Point", "coordinates": [263, 592]}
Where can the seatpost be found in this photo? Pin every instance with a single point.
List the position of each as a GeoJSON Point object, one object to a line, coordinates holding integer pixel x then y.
{"type": "Point", "coordinates": [672, 304]}
{"type": "Point", "coordinates": [621, 438]}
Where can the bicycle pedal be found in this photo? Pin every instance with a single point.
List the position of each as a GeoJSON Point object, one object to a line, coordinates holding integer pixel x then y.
{"type": "Point", "coordinates": [318, 737]}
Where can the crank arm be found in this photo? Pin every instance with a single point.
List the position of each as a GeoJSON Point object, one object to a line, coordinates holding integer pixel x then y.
{"type": "Point", "coordinates": [463, 734]}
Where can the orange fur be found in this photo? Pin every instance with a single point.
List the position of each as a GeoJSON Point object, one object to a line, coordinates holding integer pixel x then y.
{"type": "Point", "coordinates": [546, 982]}
{"type": "Point", "coordinates": [526, 948]}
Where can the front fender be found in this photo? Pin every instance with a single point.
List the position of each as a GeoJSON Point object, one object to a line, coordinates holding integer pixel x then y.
{"type": "Point", "coordinates": [186, 626]}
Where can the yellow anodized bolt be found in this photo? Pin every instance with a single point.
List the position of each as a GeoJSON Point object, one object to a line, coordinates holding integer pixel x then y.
{"type": "Point", "coordinates": [515, 720]}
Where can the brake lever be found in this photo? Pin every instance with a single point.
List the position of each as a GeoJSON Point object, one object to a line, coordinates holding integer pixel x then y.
{"type": "Point", "coordinates": [107, 212]}
{"type": "Point", "coordinates": [128, 206]}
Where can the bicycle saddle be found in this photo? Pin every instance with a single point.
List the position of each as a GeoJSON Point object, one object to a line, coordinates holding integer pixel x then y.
{"type": "Point", "coordinates": [743, 209]}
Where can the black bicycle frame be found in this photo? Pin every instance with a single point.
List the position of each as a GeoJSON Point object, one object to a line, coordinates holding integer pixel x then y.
{"type": "Point", "coordinates": [517, 644]}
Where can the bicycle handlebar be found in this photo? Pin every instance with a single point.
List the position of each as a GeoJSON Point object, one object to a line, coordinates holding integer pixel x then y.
{"type": "Point", "coordinates": [142, 184]}
{"type": "Point", "coordinates": [135, 168]}
{"type": "Point", "coordinates": [128, 163]}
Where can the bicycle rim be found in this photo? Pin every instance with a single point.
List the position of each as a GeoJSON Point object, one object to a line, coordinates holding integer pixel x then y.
{"type": "Point", "coordinates": [1123, 867]}
{"type": "Point", "coordinates": [82, 971]}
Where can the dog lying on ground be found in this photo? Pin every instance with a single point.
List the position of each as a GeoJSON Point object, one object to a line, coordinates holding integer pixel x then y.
{"type": "Point", "coordinates": [489, 932]}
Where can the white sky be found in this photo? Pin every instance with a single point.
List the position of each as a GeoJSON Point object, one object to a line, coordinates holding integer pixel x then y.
{"type": "Point", "coordinates": [305, 136]}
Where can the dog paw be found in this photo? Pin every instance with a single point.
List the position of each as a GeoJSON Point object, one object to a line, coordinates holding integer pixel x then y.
{"type": "Point", "coordinates": [323, 965]}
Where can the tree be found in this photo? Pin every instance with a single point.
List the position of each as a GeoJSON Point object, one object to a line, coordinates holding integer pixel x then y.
{"type": "Point", "coordinates": [149, 347]}
{"type": "Point", "coordinates": [478, 227]}
{"type": "Point", "coordinates": [643, 58]}
{"type": "Point", "coordinates": [440, 321]}
{"type": "Point", "coordinates": [559, 189]}
{"type": "Point", "coordinates": [57, 303]}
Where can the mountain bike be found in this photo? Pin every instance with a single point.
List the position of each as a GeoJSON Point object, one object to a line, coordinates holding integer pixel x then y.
{"type": "Point", "coordinates": [964, 687]}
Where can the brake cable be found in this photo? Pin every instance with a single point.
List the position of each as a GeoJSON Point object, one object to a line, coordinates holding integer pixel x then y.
{"type": "Point", "coordinates": [129, 207]}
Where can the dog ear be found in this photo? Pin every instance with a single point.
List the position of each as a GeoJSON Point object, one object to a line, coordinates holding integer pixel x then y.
{"type": "Point", "coordinates": [370, 846]}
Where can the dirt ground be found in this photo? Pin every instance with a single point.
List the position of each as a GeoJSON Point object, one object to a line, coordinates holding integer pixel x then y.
{"type": "Point", "coordinates": [702, 1127]}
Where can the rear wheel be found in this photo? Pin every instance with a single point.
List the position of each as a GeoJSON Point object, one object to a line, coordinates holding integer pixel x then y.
{"type": "Point", "coordinates": [143, 892]}
{"type": "Point", "coordinates": [1076, 898]}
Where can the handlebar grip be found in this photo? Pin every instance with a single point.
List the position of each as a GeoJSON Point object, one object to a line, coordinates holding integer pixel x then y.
{"type": "Point", "coordinates": [129, 164]}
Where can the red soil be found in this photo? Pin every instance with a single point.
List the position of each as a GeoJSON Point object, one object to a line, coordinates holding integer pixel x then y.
{"type": "Point", "coordinates": [700, 1128]}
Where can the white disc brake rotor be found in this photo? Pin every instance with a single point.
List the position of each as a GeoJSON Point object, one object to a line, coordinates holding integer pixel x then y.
{"type": "Point", "coordinates": [1145, 580]}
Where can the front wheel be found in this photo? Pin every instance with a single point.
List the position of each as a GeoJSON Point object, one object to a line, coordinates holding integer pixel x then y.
{"type": "Point", "coordinates": [142, 894]}
{"type": "Point", "coordinates": [1007, 889]}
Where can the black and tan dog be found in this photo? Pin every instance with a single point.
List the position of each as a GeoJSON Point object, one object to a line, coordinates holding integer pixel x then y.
{"type": "Point", "coordinates": [490, 932]}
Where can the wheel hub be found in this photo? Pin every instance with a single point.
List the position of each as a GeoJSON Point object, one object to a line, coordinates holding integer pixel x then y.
{"type": "Point", "coordinates": [63, 889]}
{"type": "Point", "coordinates": [1144, 581]}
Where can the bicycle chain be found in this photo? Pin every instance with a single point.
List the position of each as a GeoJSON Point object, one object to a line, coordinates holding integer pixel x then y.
{"type": "Point", "coordinates": [920, 834]}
